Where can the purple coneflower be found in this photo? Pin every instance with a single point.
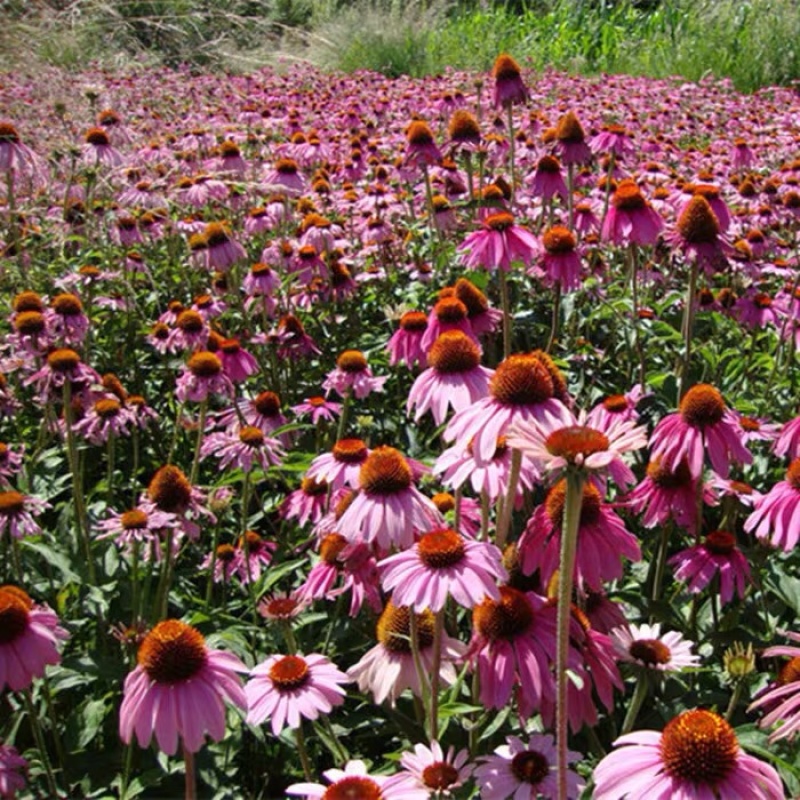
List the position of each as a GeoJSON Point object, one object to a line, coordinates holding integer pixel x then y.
{"type": "Point", "coordinates": [29, 639]}
{"type": "Point", "coordinates": [342, 465]}
{"type": "Point", "coordinates": [177, 690]}
{"type": "Point", "coordinates": [454, 379]}
{"type": "Point", "coordinates": [498, 243]}
{"type": "Point", "coordinates": [716, 555]}
{"type": "Point", "coordinates": [17, 512]}
{"type": "Point", "coordinates": [509, 88]}
{"type": "Point", "coordinates": [352, 373]}
{"type": "Point", "coordinates": [435, 771]}
{"type": "Point", "coordinates": [703, 422]}
{"type": "Point", "coordinates": [645, 646]}
{"type": "Point", "coordinates": [354, 783]}
{"type": "Point", "coordinates": [288, 688]}
{"type": "Point", "coordinates": [318, 408]}
{"type": "Point", "coordinates": [776, 515]}
{"type": "Point", "coordinates": [243, 448]}
{"type": "Point", "coordinates": [521, 770]}
{"type": "Point", "coordinates": [405, 345]}
{"type": "Point", "coordinates": [630, 218]}
{"type": "Point", "coordinates": [13, 768]}
{"type": "Point", "coordinates": [443, 564]}
{"type": "Point", "coordinates": [695, 757]}
{"type": "Point", "coordinates": [202, 376]}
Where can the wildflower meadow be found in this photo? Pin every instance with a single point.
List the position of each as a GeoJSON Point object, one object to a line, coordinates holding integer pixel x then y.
{"type": "Point", "coordinates": [389, 439]}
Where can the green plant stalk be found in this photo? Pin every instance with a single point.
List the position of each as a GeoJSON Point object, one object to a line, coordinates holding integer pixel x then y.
{"type": "Point", "coordinates": [687, 329]}
{"type": "Point", "coordinates": [661, 562]}
{"type": "Point", "coordinates": [485, 508]}
{"type": "Point", "coordinates": [303, 753]}
{"type": "Point", "coordinates": [201, 428]}
{"type": "Point", "coordinates": [556, 317]}
{"type": "Point", "coordinates": [438, 634]}
{"type": "Point", "coordinates": [413, 629]}
{"type": "Point", "coordinates": [342, 427]}
{"type": "Point", "coordinates": [212, 568]}
{"type": "Point", "coordinates": [191, 774]}
{"type": "Point", "coordinates": [736, 696]}
{"type": "Point", "coordinates": [569, 541]}
{"type": "Point", "coordinates": [38, 735]}
{"type": "Point", "coordinates": [511, 150]}
{"type": "Point", "coordinates": [639, 696]}
{"type": "Point", "coordinates": [77, 489]}
{"type": "Point", "coordinates": [506, 303]}
{"type": "Point", "coordinates": [570, 198]}
{"type": "Point", "coordinates": [504, 517]}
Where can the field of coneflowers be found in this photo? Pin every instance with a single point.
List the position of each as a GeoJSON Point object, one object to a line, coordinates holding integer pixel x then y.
{"type": "Point", "coordinates": [371, 439]}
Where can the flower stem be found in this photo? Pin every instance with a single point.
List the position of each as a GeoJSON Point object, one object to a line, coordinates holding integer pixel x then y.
{"type": "Point", "coordinates": [511, 148]}
{"type": "Point", "coordinates": [413, 629]}
{"type": "Point", "coordinates": [340, 430]}
{"type": "Point", "coordinates": [504, 520]}
{"type": "Point", "coordinates": [687, 328]}
{"type": "Point", "coordinates": [556, 317]}
{"type": "Point", "coordinates": [569, 541]}
{"type": "Point", "coordinates": [639, 695]}
{"type": "Point", "coordinates": [438, 634]}
{"type": "Point", "coordinates": [201, 427]}
{"type": "Point", "coordinates": [191, 777]}
{"type": "Point", "coordinates": [38, 735]}
{"type": "Point", "coordinates": [734, 701]}
{"type": "Point", "coordinates": [661, 560]}
{"type": "Point", "coordinates": [301, 749]}
{"type": "Point", "coordinates": [504, 298]}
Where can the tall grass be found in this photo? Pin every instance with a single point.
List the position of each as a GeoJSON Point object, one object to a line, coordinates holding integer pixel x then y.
{"type": "Point", "coordinates": [753, 42]}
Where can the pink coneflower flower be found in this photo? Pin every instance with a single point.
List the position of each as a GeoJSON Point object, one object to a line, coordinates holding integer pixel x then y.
{"type": "Point", "coordinates": [775, 515]}
{"type": "Point", "coordinates": [354, 783]}
{"type": "Point", "coordinates": [443, 564]}
{"type": "Point", "coordinates": [482, 318]}
{"type": "Point", "coordinates": [263, 412]}
{"type": "Point", "coordinates": [190, 332]}
{"type": "Point", "coordinates": [509, 88]}
{"type": "Point", "coordinates": [202, 376]}
{"type": "Point", "coordinates": [455, 378]}
{"type": "Point", "coordinates": [285, 176]}
{"type": "Point", "coordinates": [169, 491]}
{"type": "Point", "coordinates": [16, 157]}
{"type": "Point", "coordinates": [514, 645]}
{"type": "Point", "coordinates": [553, 449]}
{"type": "Point", "coordinates": [354, 564]}
{"type": "Point", "coordinates": [613, 139]}
{"type": "Point", "coordinates": [97, 150]}
{"type": "Point", "coordinates": [421, 149]}
{"type": "Point", "coordinates": [695, 757]}
{"type": "Point", "coordinates": [457, 465]}
{"type": "Point", "coordinates": [525, 771]}
{"type": "Point", "coordinates": [256, 555]}
{"type": "Point", "coordinates": [498, 243]}
{"type": "Point", "coordinates": [221, 250]}
{"type": "Point", "coordinates": [389, 510]}
{"type": "Point", "coordinates": [666, 494]}
{"type": "Point", "coordinates": [603, 613]}
{"type": "Point", "coordinates": [65, 319]}
{"type": "Point", "coordinates": [29, 639]}
{"type": "Point", "coordinates": [571, 145]}
{"type": "Point", "coordinates": [615, 407]}
{"type": "Point", "coordinates": [630, 218]}
{"type": "Point", "coordinates": [290, 688]}
{"type": "Point", "coordinates": [62, 364]}
{"type": "Point", "coordinates": [177, 690]}
{"type": "Point", "coordinates": [645, 646]}
{"type": "Point", "coordinates": [308, 503]}
{"type": "Point", "coordinates": [524, 387]}
{"type": "Point", "coordinates": [108, 416]}
{"type": "Point", "coordinates": [342, 465]}
{"type": "Point", "coordinates": [226, 561]}
{"type": "Point", "coordinates": [697, 235]}
{"type": "Point", "coordinates": [788, 442]}
{"type": "Point", "coordinates": [10, 463]}
{"type": "Point", "coordinates": [603, 540]}
{"type": "Point", "coordinates": [237, 363]}
{"type": "Point", "coordinates": [138, 529]}
{"type": "Point", "coordinates": [17, 512]}
{"type": "Point", "coordinates": [435, 771]}
{"type": "Point", "coordinates": [717, 555]}
{"type": "Point", "coordinates": [782, 696]}
{"type": "Point", "coordinates": [547, 181]}
{"type": "Point", "coordinates": [405, 345]}
{"type": "Point", "coordinates": [318, 408]}
{"type": "Point", "coordinates": [702, 423]}
{"type": "Point", "coordinates": [447, 314]}
{"type": "Point", "coordinates": [282, 606]}
{"type": "Point", "coordinates": [560, 262]}
{"type": "Point", "coordinates": [13, 768]}
{"type": "Point", "coordinates": [387, 670]}
{"type": "Point", "coordinates": [243, 448]}
{"type": "Point", "coordinates": [352, 373]}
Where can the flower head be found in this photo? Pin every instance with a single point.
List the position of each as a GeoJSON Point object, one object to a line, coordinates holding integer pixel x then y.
{"type": "Point", "coordinates": [695, 757]}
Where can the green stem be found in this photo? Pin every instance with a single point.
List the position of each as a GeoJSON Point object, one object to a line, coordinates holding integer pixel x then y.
{"type": "Point", "coordinates": [504, 518]}
{"type": "Point", "coordinates": [340, 430]}
{"type": "Point", "coordinates": [77, 489]}
{"type": "Point", "coordinates": [734, 701]}
{"type": "Point", "coordinates": [511, 149]}
{"type": "Point", "coordinates": [506, 303]}
{"type": "Point", "coordinates": [569, 541]}
{"type": "Point", "coordinates": [301, 749]}
{"type": "Point", "coordinates": [438, 635]}
{"type": "Point", "coordinates": [421, 677]}
{"type": "Point", "coordinates": [556, 316]}
{"type": "Point", "coordinates": [191, 776]}
{"type": "Point", "coordinates": [201, 428]}
{"type": "Point", "coordinates": [38, 735]}
{"type": "Point", "coordinates": [661, 561]}
{"type": "Point", "coordinates": [639, 695]}
{"type": "Point", "coordinates": [687, 328]}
